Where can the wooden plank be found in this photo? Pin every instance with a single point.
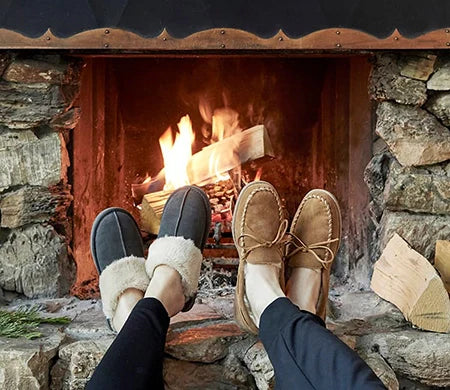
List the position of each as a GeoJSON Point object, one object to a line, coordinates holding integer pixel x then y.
{"type": "Point", "coordinates": [442, 261]}
{"type": "Point", "coordinates": [405, 278]}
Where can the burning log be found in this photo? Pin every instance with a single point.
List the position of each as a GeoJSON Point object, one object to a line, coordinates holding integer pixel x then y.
{"type": "Point", "coordinates": [406, 278]}
{"type": "Point", "coordinates": [205, 167]}
{"type": "Point", "coordinates": [229, 153]}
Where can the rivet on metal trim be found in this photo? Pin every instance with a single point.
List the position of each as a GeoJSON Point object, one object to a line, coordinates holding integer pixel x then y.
{"type": "Point", "coordinates": [47, 38]}
{"type": "Point", "coordinates": [280, 39]}
{"type": "Point", "coordinates": [338, 32]}
{"type": "Point", "coordinates": [447, 43]}
{"type": "Point", "coordinates": [106, 31]}
{"type": "Point", "coordinates": [338, 45]}
{"type": "Point", "coordinates": [395, 38]}
{"type": "Point", "coordinates": [222, 46]}
{"type": "Point", "coordinates": [164, 39]}
{"type": "Point", "coordinates": [106, 45]}
{"type": "Point", "coordinates": [447, 30]}
{"type": "Point", "coordinates": [222, 32]}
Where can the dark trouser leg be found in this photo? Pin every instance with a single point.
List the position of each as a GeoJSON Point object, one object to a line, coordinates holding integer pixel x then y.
{"type": "Point", "coordinates": [135, 358]}
{"type": "Point", "coordinates": [305, 355]}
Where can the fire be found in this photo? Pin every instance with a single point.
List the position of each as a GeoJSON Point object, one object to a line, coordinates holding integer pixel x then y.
{"type": "Point", "coordinates": [177, 153]}
{"type": "Point", "coordinates": [224, 122]}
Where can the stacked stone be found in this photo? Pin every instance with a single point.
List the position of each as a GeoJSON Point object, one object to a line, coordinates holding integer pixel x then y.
{"type": "Point", "coordinates": [206, 350]}
{"type": "Point", "coordinates": [36, 110]}
{"type": "Point", "coordinates": [409, 175]}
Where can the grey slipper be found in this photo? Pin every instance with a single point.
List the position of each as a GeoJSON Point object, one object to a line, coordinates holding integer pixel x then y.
{"type": "Point", "coordinates": [185, 225]}
{"type": "Point", "coordinates": [118, 253]}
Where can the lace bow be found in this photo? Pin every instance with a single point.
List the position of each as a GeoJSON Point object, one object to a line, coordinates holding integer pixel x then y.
{"type": "Point", "coordinates": [311, 248]}
{"type": "Point", "coordinates": [279, 238]}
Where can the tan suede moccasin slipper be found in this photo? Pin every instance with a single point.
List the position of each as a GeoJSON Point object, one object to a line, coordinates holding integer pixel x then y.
{"type": "Point", "coordinates": [258, 232]}
{"type": "Point", "coordinates": [315, 236]}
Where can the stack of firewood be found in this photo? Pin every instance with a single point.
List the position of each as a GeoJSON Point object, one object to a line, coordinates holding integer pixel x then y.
{"type": "Point", "coordinates": [407, 279]}
{"type": "Point", "coordinates": [249, 146]}
{"type": "Point", "coordinates": [222, 196]}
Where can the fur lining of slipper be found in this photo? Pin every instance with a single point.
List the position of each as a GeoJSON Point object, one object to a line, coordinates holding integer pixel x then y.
{"type": "Point", "coordinates": [128, 272]}
{"type": "Point", "coordinates": [182, 255]}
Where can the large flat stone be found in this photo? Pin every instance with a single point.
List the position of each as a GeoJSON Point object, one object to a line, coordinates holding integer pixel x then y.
{"type": "Point", "coordinates": [414, 136]}
{"type": "Point", "coordinates": [199, 312]}
{"type": "Point", "coordinates": [182, 375]}
{"type": "Point", "coordinates": [29, 159]}
{"type": "Point", "coordinates": [440, 80]}
{"type": "Point", "coordinates": [30, 204]}
{"type": "Point", "coordinates": [203, 342]}
{"type": "Point", "coordinates": [418, 190]}
{"type": "Point", "coordinates": [360, 313]}
{"type": "Point", "coordinates": [419, 356]}
{"type": "Point", "coordinates": [420, 230]}
{"type": "Point", "coordinates": [439, 106]}
{"type": "Point", "coordinates": [28, 106]}
{"type": "Point", "coordinates": [77, 362]}
{"type": "Point", "coordinates": [34, 261]}
{"type": "Point", "coordinates": [30, 71]}
{"type": "Point", "coordinates": [25, 364]}
{"type": "Point", "coordinates": [386, 82]}
{"type": "Point", "coordinates": [418, 66]}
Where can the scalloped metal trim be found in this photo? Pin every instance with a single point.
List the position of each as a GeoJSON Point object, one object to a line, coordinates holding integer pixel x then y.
{"type": "Point", "coordinates": [332, 39]}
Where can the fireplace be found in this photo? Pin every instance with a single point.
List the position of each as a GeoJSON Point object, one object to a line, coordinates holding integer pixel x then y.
{"type": "Point", "coordinates": [348, 97]}
{"type": "Point", "coordinates": [81, 130]}
{"type": "Point", "coordinates": [315, 109]}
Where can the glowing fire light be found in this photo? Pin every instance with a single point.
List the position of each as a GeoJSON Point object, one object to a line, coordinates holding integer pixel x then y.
{"type": "Point", "coordinates": [180, 168]}
{"type": "Point", "coordinates": [176, 153]}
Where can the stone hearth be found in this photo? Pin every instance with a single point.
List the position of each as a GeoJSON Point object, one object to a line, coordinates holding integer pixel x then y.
{"type": "Point", "coordinates": [220, 356]}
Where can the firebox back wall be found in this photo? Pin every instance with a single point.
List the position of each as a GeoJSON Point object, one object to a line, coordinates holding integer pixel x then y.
{"type": "Point", "coordinates": [316, 110]}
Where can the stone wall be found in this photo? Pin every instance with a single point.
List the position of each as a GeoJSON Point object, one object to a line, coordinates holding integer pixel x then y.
{"type": "Point", "coordinates": [409, 175]}
{"type": "Point", "coordinates": [37, 95]}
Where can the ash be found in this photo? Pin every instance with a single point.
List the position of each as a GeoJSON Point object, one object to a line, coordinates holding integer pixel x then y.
{"type": "Point", "coordinates": [214, 281]}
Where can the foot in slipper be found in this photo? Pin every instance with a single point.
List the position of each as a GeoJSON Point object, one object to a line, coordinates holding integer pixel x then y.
{"type": "Point", "coordinates": [314, 241]}
{"type": "Point", "coordinates": [118, 253]}
{"type": "Point", "coordinates": [175, 257]}
{"type": "Point", "coordinates": [258, 232]}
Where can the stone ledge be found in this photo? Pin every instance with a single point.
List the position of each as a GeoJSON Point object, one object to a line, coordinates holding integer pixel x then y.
{"type": "Point", "coordinates": [68, 357]}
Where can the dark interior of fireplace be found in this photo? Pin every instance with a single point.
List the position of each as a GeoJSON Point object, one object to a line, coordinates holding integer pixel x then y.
{"type": "Point", "coordinates": [316, 110]}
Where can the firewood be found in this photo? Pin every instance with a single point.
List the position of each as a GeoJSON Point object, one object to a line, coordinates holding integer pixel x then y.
{"type": "Point", "coordinates": [152, 207]}
{"type": "Point", "coordinates": [225, 155]}
{"type": "Point", "coordinates": [442, 261]}
{"type": "Point", "coordinates": [229, 153]}
{"type": "Point", "coordinates": [405, 278]}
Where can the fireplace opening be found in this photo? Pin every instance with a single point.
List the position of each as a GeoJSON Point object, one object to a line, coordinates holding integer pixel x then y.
{"type": "Point", "coordinates": [313, 112]}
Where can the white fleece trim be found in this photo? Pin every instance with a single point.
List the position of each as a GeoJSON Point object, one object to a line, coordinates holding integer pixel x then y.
{"type": "Point", "coordinates": [128, 272]}
{"type": "Point", "coordinates": [182, 255]}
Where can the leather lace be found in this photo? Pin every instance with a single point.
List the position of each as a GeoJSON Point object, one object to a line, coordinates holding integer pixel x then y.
{"type": "Point", "coordinates": [279, 239]}
{"type": "Point", "coordinates": [311, 248]}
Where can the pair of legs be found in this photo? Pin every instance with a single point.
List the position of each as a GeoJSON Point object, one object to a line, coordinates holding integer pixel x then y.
{"type": "Point", "coordinates": [304, 353]}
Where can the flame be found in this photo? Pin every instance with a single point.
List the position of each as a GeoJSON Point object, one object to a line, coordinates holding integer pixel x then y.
{"type": "Point", "coordinates": [225, 123]}
{"type": "Point", "coordinates": [177, 153]}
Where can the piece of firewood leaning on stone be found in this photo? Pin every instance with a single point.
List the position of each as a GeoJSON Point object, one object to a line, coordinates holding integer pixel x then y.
{"type": "Point", "coordinates": [405, 278]}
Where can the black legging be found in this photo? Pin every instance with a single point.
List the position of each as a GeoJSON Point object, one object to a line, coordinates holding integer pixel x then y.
{"type": "Point", "coordinates": [304, 354]}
